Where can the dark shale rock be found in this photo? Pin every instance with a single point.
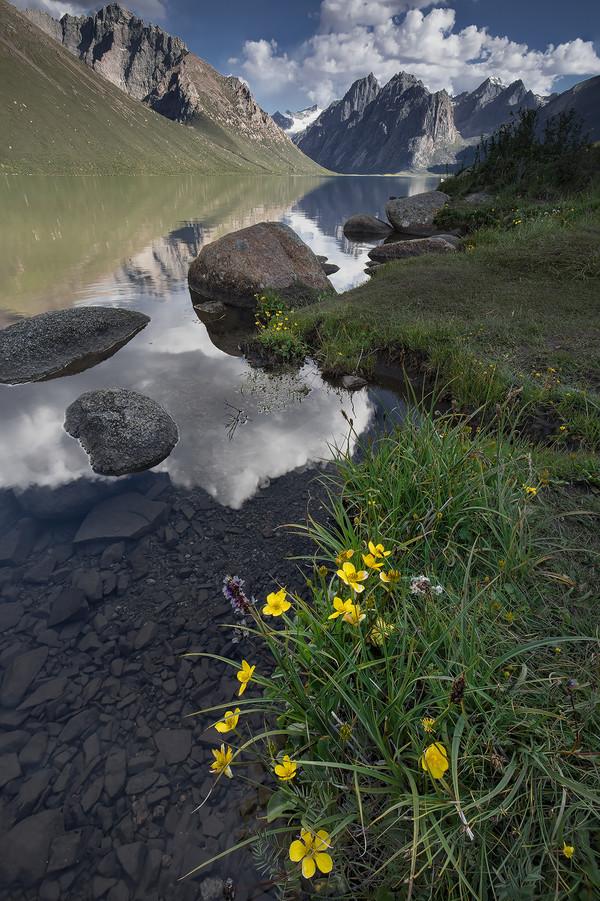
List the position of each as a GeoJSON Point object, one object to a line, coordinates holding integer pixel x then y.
{"type": "Point", "coordinates": [26, 846]}
{"type": "Point", "coordinates": [128, 515]}
{"type": "Point", "coordinates": [174, 744]}
{"type": "Point", "coordinates": [19, 675]}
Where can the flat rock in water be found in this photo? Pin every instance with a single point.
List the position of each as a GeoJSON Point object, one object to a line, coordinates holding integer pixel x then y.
{"type": "Point", "coordinates": [400, 250]}
{"type": "Point", "coordinates": [128, 515]}
{"type": "Point", "coordinates": [174, 744]}
{"type": "Point", "coordinates": [121, 430]}
{"type": "Point", "coordinates": [61, 342]}
{"type": "Point", "coordinates": [268, 256]}
{"type": "Point", "coordinates": [414, 215]}
{"type": "Point", "coordinates": [364, 226]}
{"type": "Point", "coordinates": [330, 268]}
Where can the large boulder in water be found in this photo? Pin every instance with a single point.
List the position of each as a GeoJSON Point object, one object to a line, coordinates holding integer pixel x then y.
{"type": "Point", "coordinates": [364, 226]}
{"type": "Point", "coordinates": [264, 257]}
{"type": "Point", "coordinates": [414, 215]}
{"type": "Point", "coordinates": [62, 342]}
{"type": "Point", "coordinates": [121, 430]}
{"type": "Point", "coordinates": [400, 250]}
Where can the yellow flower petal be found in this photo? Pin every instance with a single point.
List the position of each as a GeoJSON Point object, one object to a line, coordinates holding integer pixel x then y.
{"type": "Point", "coordinates": [324, 862]}
{"type": "Point", "coordinates": [297, 851]}
{"type": "Point", "coordinates": [308, 867]}
{"type": "Point", "coordinates": [435, 760]}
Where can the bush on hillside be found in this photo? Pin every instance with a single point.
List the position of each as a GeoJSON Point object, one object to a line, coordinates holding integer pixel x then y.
{"type": "Point", "coordinates": [520, 159]}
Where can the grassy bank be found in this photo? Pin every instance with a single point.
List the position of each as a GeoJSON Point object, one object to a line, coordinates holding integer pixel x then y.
{"type": "Point", "coordinates": [513, 320]}
{"type": "Point", "coordinates": [431, 722]}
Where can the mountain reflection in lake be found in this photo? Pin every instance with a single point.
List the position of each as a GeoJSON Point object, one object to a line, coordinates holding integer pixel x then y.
{"type": "Point", "coordinates": [129, 242]}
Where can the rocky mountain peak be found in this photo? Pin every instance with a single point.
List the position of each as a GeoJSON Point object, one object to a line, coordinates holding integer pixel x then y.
{"type": "Point", "coordinates": [122, 48]}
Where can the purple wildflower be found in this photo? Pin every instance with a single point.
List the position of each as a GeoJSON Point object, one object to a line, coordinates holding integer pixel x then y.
{"type": "Point", "coordinates": [233, 589]}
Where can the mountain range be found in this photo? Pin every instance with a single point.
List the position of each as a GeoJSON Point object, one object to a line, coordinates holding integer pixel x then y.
{"type": "Point", "coordinates": [404, 126]}
{"type": "Point", "coordinates": [110, 93]}
{"type": "Point", "coordinates": [295, 124]}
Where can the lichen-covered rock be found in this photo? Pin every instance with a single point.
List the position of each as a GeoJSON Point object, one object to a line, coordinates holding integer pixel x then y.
{"type": "Point", "coordinates": [268, 256]}
{"type": "Point", "coordinates": [400, 250]}
{"type": "Point", "coordinates": [364, 226]}
{"type": "Point", "coordinates": [61, 342]}
{"type": "Point", "coordinates": [122, 431]}
{"type": "Point", "coordinates": [414, 215]}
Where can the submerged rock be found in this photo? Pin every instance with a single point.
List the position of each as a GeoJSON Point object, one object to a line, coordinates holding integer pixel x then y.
{"type": "Point", "coordinates": [399, 250]}
{"type": "Point", "coordinates": [121, 430]}
{"type": "Point", "coordinates": [364, 226]}
{"type": "Point", "coordinates": [268, 256]}
{"type": "Point", "coordinates": [414, 215]}
{"type": "Point", "coordinates": [62, 342]}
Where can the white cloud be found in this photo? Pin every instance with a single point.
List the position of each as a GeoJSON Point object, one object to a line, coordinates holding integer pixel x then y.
{"type": "Point", "coordinates": [356, 37]}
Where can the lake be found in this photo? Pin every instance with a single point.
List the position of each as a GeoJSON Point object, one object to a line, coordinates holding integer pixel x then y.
{"type": "Point", "coordinates": [96, 697]}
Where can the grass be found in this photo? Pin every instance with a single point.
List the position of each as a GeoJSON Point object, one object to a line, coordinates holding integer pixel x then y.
{"type": "Point", "coordinates": [495, 663]}
{"type": "Point", "coordinates": [514, 317]}
{"type": "Point", "coordinates": [59, 117]}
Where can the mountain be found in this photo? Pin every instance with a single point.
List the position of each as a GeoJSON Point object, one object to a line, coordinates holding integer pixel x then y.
{"type": "Point", "coordinates": [62, 117]}
{"type": "Point", "coordinates": [384, 129]}
{"type": "Point", "coordinates": [295, 124]}
{"type": "Point", "coordinates": [490, 105]}
{"type": "Point", "coordinates": [584, 98]}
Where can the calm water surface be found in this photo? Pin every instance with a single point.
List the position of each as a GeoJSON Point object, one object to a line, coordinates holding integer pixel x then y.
{"type": "Point", "coordinates": [129, 242]}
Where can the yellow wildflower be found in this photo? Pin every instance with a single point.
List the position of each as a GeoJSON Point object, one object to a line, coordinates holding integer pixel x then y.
{"type": "Point", "coordinates": [353, 616]}
{"type": "Point", "coordinates": [244, 675]}
{"type": "Point", "coordinates": [286, 770]}
{"type": "Point", "coordinates": [378, 551]}
{"type": "Point", "coordinates": [380, 632]}
{"type": "Point", "coordinates": [223, 757]}
{"type": "Point", "coordinates": [229, 721]}
{"type": "Point", "coordinates": [390, 577]}
{"type": "Point", "coordinates": [372, 562]}
{"type": "Point", "coordinates": [276, 603]}
{"type": "Point", "coordinates": [341, 607]}
{"type": "Point", "coordinates": [428, 723]}
{"type": "Point", "coordinates": [434, 760]}
{"type": "Point", "coordinates": [530, 490]}
{"type": "Point", "coordinates": [311, 849]}
{"type": "Point", "coordinates": [352, 577]}
{"type": "Point", "coordinates": [343, 556]}
{"type": "Point", "coordinates": [568, 850]}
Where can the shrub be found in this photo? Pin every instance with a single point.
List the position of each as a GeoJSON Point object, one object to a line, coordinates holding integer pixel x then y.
{"type": "Point", "coordinates": [521, 159]}
{"type": "Point", "coordinates": [428, 733]}
{"type": "Point", "coordinates": [278, 333]}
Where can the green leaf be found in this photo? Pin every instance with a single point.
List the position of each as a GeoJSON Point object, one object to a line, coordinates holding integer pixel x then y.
{"type": "Point", "coordinates": [279, 804]}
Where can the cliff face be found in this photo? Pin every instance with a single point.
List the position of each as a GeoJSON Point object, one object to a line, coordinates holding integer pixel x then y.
{"type": "Point", "coordinates": [490, 105]}
{"type": "Point", "coordinates": [122, 48]}
{"type": "Point", "coordinates": [584, 98]}
{"type": "Point", "coordinates": [374, 129]}
{"type": "Point", "coordinates": [157, 68]}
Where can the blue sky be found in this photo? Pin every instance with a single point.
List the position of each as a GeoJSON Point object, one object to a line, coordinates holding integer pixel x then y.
{"type": "Point", "coordinates": [302, 51]}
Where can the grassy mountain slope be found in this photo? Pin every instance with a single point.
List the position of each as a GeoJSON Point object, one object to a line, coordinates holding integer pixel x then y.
{"type": "Point", "coordinates": [59, 117]}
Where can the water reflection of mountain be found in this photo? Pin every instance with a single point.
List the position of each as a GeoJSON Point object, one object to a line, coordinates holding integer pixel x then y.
{"type": "Point", "coordinates": [60, 235]}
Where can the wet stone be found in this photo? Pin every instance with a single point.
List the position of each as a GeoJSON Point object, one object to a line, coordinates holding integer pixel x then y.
{"type": "Point", "coordinates": [16, 544]}
{"type": "Point", "coordinates": [68, 604]}
{"type": "Point", "coordinates": [145, 636]}
{"type": "Point", "coordinates": [10, 768]}
{"type": "Point", "coordinates": [128, 515]}
{"type": "Point", "coordinates": [10, 614]}
{"type": "Point", "coordinates": [20, 674]}
{"type": "Point", "coordinates": [174, 744]}
{"type": "Point", "coordinates": [132, 857]}
{"type": "Point", "coordinates": [25, 848]}
{"type": "Point", "coordinates": [46, 692]}
{"type": "Point", "coordinates": [64, 851]}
